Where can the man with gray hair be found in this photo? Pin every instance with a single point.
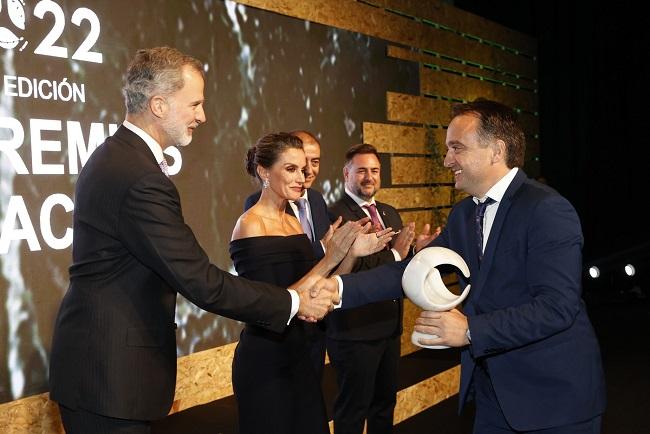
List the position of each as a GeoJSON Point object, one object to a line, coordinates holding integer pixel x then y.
{"type": "Point", "coordinates": [113, 360]}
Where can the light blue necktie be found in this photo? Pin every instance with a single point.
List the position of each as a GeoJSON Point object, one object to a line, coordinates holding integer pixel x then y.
{"type": "Point", "coordinates": [304, 218]}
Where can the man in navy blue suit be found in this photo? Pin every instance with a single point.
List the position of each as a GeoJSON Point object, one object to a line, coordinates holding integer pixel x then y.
{"type": "Point", "coordinates": [319, 223]}
{"type": "Point", "coordinates": [530, 358]}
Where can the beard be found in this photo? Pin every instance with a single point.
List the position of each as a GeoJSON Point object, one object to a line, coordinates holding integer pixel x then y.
{"type": "Point", "coordinates": [176, 131]}
{"type": "Point", "coordinates": [359, 191]}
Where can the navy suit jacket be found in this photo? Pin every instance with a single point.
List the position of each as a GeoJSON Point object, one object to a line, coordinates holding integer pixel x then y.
{"type": "Point", "coordinates": [528, 321]}
{"type": "Point", "coordinates": [320, 217]}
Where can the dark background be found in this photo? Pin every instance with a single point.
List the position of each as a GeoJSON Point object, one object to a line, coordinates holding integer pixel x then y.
{"type": "Point", "coordinates": [593, 73]}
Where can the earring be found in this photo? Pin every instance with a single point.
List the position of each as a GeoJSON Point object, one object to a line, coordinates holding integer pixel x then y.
{"type": "Point", "coordinates": [265, 183]}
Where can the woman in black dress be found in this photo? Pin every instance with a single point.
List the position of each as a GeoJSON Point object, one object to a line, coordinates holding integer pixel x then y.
{"type": "Point", "coordinates": [274, 381]}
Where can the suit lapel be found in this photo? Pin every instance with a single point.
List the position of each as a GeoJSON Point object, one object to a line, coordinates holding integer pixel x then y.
{"type": "Point", "coordinates": [354, 207]}
{"type": "Point", "coordinates": [470, 229]}
{"type": "Point", "coordinates": [387, 217]}
{"type": "Point", "coordinates": [495, 233]}
{"type": "Point", "coordinates": [127, 136]}
{"type": "Point", "coordinates": [132, 139]}
{"type": "Point", "coordinates": [317, 217]}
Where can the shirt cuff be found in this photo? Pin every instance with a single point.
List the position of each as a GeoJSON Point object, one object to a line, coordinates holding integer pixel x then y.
{"type": "Point", "coordinates": [398, 257]}
{"type": "Point", "coordinates": [322, 244]}
{"type": "Point", "coordinates": [295, 304]}
{"type": "Point", "coordinates": [340, 282]}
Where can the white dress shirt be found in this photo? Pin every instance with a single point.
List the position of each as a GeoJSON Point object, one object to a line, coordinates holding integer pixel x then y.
{"type": "Point", "coordinates": [496, 193]}
{"type": "Point", "coordinates": [155, 147]}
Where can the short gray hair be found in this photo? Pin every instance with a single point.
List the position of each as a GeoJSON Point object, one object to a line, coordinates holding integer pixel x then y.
{"type": "Point", "coordinates": [155, 71]}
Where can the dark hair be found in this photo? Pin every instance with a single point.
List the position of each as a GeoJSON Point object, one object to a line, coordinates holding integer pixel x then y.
{"type": "Point", "coordinates": [497, 121]}
{"type": "Point", "coordinates": [155, 71]}
{"type": "Point", "coordinates": [361, 148]}
{"type": "Point", "coordinates": [267, 150]}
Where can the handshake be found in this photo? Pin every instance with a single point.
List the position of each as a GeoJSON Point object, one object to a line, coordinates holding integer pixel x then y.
{"type": "Point", "coordinates": [343, 244]}
{"type": "Point", "coordinates": [318, 297]}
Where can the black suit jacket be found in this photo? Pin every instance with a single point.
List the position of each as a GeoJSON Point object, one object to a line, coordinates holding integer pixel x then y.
{"type": "Point", "coordinates": [114, 344]}
{"type": "Point", "coordinates": [320, 217]}
{"type": "Point", "coordinates": [376, 320]}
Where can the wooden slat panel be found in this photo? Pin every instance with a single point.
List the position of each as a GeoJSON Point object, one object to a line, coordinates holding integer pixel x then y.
{"type": "Point", "coordinates": [416, 109]}
{"type": "Point", "coordinates": [366, 19]}
{"type": "Point", "coordinates": [419, 197]}
{"type": "Point", "coordinates": [391, 138]}
{"type": "Point", "coordinates": [419, 170]}
{"type": "Point", "coordinates": [398, 139]}
{"type": "Point", "coordinates": [424, 395]}
{"type": "Point", "coordinates": [458, 195]}
{"type": "Point", "coordinates": [203, 377]}
{"type": "Point", "coordinates": [427, 393]}
{"type": "Point", "coordinates": [435, 217]}
{"type": "Point", "coordinates": [411, 312]}
{"type": "Point", "coordinates": [463, 21]}
{"type": "Point", "coordinates": [32, 415]}
{"type": "Point", "coordinates": [416, 56]}
{"type": "Point", "coordinates": [440, 83]}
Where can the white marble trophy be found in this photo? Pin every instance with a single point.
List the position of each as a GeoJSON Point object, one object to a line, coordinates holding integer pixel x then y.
{"type": "Point", "coordinates": [423, 284]}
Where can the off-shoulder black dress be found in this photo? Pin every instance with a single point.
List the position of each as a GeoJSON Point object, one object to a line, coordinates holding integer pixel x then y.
{"type": "Point", "coordinates": [275, 385]}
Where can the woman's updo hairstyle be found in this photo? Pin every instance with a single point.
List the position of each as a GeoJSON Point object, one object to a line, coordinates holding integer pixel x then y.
{"type": "Point", "coordinates": [267, 150]}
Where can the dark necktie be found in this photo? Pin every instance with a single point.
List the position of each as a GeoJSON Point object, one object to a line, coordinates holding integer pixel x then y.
{"type": "Point", "coordinates": [480, 212]}
{"type": "Point", "coordinates": [164, 167]}
{"type": "Point", "coordinates": [304, 218]}
{"type": "Point", "coordinates": [374, 217]}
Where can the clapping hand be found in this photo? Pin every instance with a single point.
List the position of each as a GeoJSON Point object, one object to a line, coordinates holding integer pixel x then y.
{"type": "Point", "coordinates": [338, 244]}
{"type": "Point", "coordinates": [423, 240]}
{"type": "Point", "coordinates": [328, 235]}
{"type": "Point", "coordinates": [369, 243]}
{"type": "Point", "coordinates": [404, 239]}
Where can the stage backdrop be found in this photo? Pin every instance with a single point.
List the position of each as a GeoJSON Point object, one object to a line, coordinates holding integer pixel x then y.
{"type": "Point", "coordinates": [384, 70]}
{"type": "Point", "coordinates": [61, 65]}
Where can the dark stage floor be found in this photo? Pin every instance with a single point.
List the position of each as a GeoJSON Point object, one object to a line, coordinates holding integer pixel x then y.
{"type": "Point", "coordinates": [621, 320]}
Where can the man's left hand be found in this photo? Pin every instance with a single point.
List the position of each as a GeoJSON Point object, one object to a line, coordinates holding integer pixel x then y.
{"type": "Point", "coordinates": [450, 327]}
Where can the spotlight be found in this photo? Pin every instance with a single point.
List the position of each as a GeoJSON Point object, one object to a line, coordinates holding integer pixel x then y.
{"type": "Point", "coordinates": [594, 272]}
{"type": "Point", "coordinates": [630, 270]}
